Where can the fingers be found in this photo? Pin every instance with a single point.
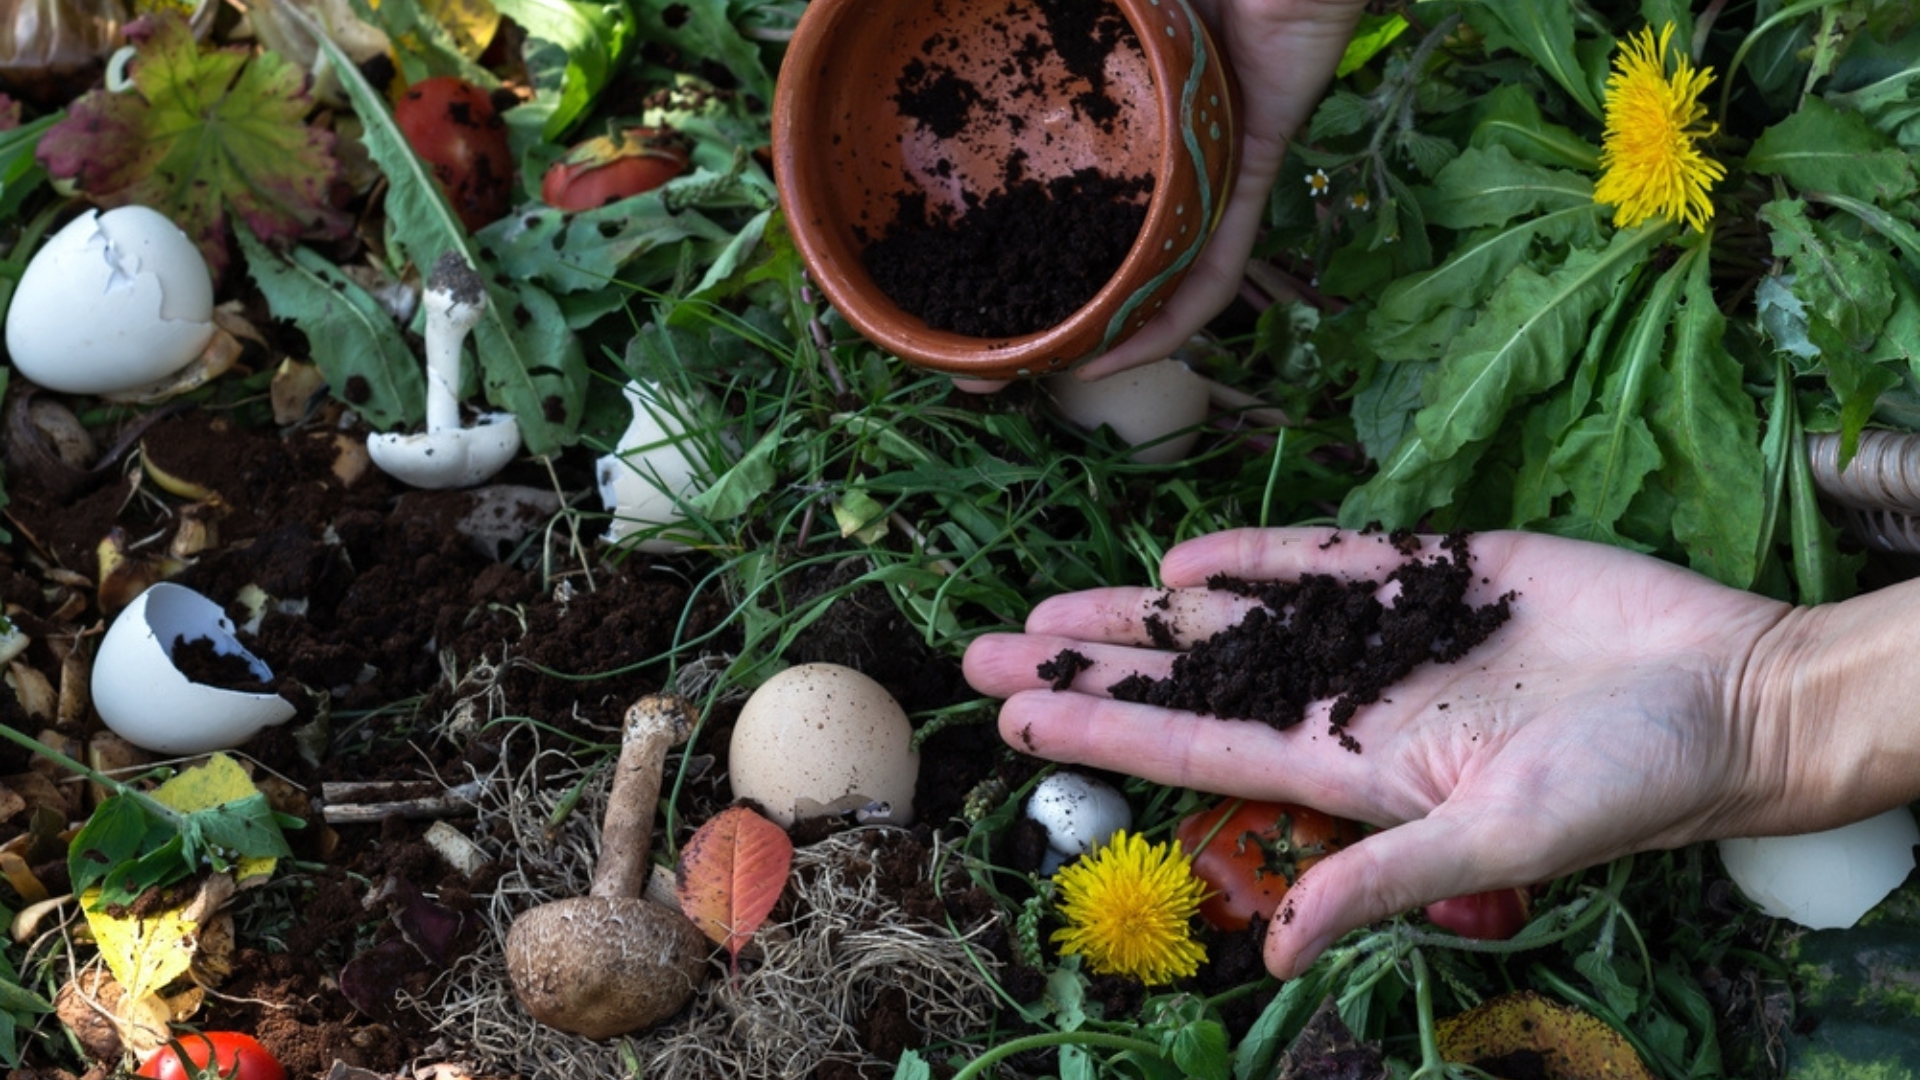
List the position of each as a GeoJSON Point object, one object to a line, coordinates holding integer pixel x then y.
{"type": "Point", "coordinates": [1286, 554]}
{"type": "Point", "coordinates": [1001, 665]}
{"type": "Point", "coordinates": [1166, 618]}
{"type": "Point", "coordinates": [1389, 872]}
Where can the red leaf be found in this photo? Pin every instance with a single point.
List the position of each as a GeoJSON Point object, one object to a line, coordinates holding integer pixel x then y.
{"type": "Point", "coordinates": [730, 875]}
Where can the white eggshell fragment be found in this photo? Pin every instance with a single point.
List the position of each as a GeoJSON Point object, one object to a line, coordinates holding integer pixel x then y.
{"type": "Point", "coordinates": [1141, 405]}
{"type": "Point", "coordinates": [147, 701]}
{"type": "Point", "coordinates": [654, 464]}
{"type": "Point", "coordinates": [1079, 813]}
{"type": "Point", "coordinates": [1825, 880]}
{"type": "Point", "coordinates": [821, 739]}
{"type": "Point", "coordinates": [112, 304]}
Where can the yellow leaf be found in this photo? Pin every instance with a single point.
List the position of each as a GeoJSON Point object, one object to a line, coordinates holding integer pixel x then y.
{"type": "Point", "coordinates": [147, 952]}
{"type": "Point", "coordinates": [219, 780]}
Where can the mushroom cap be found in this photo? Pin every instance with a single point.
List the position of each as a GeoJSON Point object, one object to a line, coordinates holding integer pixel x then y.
{"type": "Point", "coordinates": [450, 458]}
{"type": "Point", "coordinates": [602, 966]}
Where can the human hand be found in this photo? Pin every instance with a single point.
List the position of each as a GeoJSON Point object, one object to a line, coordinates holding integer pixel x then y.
{"type": "Point", "coordinates": [1604, 717]}
{"type": "Point", "coordinates": [1283, 53]}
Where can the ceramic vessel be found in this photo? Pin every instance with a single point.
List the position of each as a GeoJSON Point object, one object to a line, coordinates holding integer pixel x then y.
{"type": "Point", "coordinates": [845, 153]}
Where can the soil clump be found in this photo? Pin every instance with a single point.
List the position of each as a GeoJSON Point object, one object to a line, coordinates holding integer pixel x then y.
{"type": "Point", "coordinates": [1325, 638]}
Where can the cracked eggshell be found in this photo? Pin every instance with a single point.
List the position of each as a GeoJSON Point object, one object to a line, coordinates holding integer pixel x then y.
{"type": "Point", "coordinates": [1079, 813]}
{"type": "Point", "coordinates": [653, 464]}
{"type": "Point", "coordinates": [821, 739]}
{"type": "Point", "coordinates": [115, 302]}
{"type": "Point", "coordinates": [1140, 404]}
{"type": "Point", "coordinates": [1825, 880]}
{"type": "Point", "coordinates": [149, 702]}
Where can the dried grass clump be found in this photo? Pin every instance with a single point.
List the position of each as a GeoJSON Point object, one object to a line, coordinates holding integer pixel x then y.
{"type": "Point", "coordinates": [843, 949]}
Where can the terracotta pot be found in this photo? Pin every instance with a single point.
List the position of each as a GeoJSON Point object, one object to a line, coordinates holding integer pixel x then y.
{"type": "Point", "coordinates": [845, 152]}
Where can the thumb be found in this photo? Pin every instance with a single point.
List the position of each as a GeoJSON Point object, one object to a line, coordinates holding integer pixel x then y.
{"type": "Point", "coordinates": [1392, 871]}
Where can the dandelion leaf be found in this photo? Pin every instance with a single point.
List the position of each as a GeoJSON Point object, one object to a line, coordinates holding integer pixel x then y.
{"type": "Point", "coordinates": [202, 133]}
{"type": "Point", "coordinates": [1709, 433]}
{"type": "Point", "coordinates": [1842, 281]}
{"type": "Point", "coordinates": [1512, 119]}
{"type": "Point", "coordinates": [1492, 187]}
{"type": "Point", "coordinates": [1821, 148]}
{"type": "Point", "coordinates": [1542, 33]}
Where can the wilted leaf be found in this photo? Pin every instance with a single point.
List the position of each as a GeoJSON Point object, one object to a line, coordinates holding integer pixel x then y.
{"type": "Point", "coordinates": [146, 952]}
{"type": "Point", "coordinates": [1568, 1044]}
{"type": "Point", "coordinates": [220, 795]}
{"type": "Point", "coordinates": [730, 875]}
{"type": "Point", "coordinates": [199, 134]}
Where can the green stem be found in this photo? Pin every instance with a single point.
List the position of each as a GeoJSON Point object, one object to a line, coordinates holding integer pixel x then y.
{"type": "Point", "coordinates": [978, 1066]}
{"type": "Point", "coordinates": [1785, 14]}
{"type": "Point", "coordinates": [35, 746]}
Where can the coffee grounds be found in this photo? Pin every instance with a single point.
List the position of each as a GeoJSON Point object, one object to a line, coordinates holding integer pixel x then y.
{"type": "Point", "coordinates": [1060, 670]}
{"type": "Point", "coordinates": [1082, 34]}
{"type": "Point", "coordinates": [1017, 262]}
{"type": "Point", "coordinates": [1326, 638]}
{"type": "Point", "coordinates": [936, 96]}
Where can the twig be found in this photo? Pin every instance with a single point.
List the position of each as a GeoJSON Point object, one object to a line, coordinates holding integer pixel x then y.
{"type": "Point", "coordinates": [342, 807]}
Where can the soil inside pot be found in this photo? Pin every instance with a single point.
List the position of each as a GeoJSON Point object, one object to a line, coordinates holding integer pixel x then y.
{"type": "Point", "coordinates": [1027, 255]}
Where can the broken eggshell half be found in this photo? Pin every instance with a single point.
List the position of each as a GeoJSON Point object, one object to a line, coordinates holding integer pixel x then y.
{"type": "Point", "coordinates": [1825, 880]}
{"type": "Point", "coordinates": [651, 472]}
{"type": "Point", "coordinates": [1156, 408]}
{"type": "Point", "coordinates": [113, 303]}
{"type": "Point", "coordinates": [149, 702]}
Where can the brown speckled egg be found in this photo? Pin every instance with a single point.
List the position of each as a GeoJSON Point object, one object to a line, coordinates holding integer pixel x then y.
{"type": "Point", "coordinates": [824, 739]}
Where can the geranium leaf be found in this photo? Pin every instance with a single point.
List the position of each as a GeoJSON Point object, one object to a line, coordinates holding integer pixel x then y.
{"type": "Point", "coordinates": [202, 133]}
{"type": "Point", "coordinates": [730, 875]}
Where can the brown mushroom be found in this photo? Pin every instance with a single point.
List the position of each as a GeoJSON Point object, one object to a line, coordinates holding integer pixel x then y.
{"type": "Point", "coordinates": [611, 962]}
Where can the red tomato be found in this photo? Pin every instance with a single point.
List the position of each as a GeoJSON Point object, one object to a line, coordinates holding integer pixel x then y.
{"type": "Point", "coordinates": [1488, 916]}
{"type": "Point", "coordinates": [451, 124]}
{"type": "Point", "coordinates": [608, 168]}
{"type": "Point", "coordinates": [234, 1056]}
{"type": "Point", "coordinates": [1254, 857]}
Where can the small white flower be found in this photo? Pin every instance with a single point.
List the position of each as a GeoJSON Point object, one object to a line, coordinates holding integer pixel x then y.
{"type": "Point", "coordinates": [1318, 182]}
{"type": "Point", "coordinates": [1359, 201]}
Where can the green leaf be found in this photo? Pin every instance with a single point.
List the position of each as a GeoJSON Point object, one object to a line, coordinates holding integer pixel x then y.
{"type": "Point", "coordinates": [1513, 120]}
{"type": "Point", "coordinates": [1342, 112]}
{"type": "Point", "coordinates": [1542, 33]}
{"type": "Point", "coordinates": [364, 356]}
{"type": "Point", "coordinates": [704, 28]}
{"type": "Point", "coordinates": [1525, 340]}
{"type": "Point", "coordinates": [595, 249]}
{"type": "Point", "coordinates": [20, 172]}
{"type": "Point", "coordinates": [202, 133]}
{"type": "Point", "coordinates": [593, 36]}
{"type": "Point", "coordinates": [531, 363]}
{"type": "Point", "coordinates": [1480, 263]}
{"type": "Point", "coordinates": [1492, 187]}
{"type": "Point", "coordinates": [912, 1066]}
{"type": "Point", "coordinates": [1821, 148]}
{"type": "Point", "coordinates": [1709, 433]}
{"type": "Point", "coordinates": [1891, 104]}
{"type": "Point", "coordinates": [118, 831]}
{"type": "Point", "coordinates": [1842, 280]}
{"type": "Point", "coordinates": [1373, 34]}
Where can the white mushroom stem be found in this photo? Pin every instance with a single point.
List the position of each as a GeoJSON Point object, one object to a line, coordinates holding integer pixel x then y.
{"type": "Point", "coordinates": [654, 724]}
{"type": "Point", "coordinates": [455, 300]}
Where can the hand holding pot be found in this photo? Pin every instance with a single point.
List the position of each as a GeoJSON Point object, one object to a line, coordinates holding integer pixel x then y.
{"type": "Point", "coordinates": [1283, 52]}
{"type": "Point", "coordinates": [1626, 705]}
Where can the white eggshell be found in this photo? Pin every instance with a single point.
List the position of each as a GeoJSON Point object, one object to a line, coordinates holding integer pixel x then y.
{"type": "Point", "coordinates": [113, 303]}
{"type": "Point", "coordinates": [653, 464]}
{"type": "Point", "coordinates": [147, 701]}
{"type": "Point", "coordinates": [824, 739]}
{"type": "Point", "coordinates": [1140, 404]}
{"type": "Point", "coordinates": [1825, 880]}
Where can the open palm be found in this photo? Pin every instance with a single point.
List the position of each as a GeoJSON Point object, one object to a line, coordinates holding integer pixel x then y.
{"type": "Point", "coordinates": [1595, 722]}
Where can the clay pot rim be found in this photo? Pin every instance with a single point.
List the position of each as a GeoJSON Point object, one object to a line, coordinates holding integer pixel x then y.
{"type": "Point", "coordinates": [852, 291]}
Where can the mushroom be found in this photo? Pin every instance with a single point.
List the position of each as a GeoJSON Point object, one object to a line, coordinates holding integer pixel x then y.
{"type": "Point", "coordinates": [1079, 814]}
{"type": "Point", "coordinates": [611, 962]}
{"type": "Point", "coordinates": [447, 455]}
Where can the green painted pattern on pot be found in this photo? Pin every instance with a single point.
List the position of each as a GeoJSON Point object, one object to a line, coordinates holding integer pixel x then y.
{"type": "Point", "coordinates": [1190, 138]}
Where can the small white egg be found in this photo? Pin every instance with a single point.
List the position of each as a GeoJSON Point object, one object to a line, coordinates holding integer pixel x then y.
{"type": "Point", "coordinates": [1141, 405]}
{"type": "Point", "coordinates": [1079, 813]}
{"type": "Point", "coordinates": [821, 739]}
{"type": "Point", "coordinates": [1825, 880]}
{"type": "Point", "coordinates": [653, 464]}
{"type": "Point", "coordinates": [149, 702]}
{"type": "Point", "coordinates": [112, 304]}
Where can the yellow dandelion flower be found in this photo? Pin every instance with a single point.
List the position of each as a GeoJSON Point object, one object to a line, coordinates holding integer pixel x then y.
{"type": "Point", "coordinates": [1129, 909]}
{"type": "Point", "coordinates": [1650, 161]}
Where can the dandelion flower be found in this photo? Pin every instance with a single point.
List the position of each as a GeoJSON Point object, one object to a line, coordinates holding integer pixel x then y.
{"type": "Point", "coordinates": [1650, 161]}
{"type": "Point", "coordinates": [1318, 182]}
{"type": "Point", "coordinates": [1129, 909]}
